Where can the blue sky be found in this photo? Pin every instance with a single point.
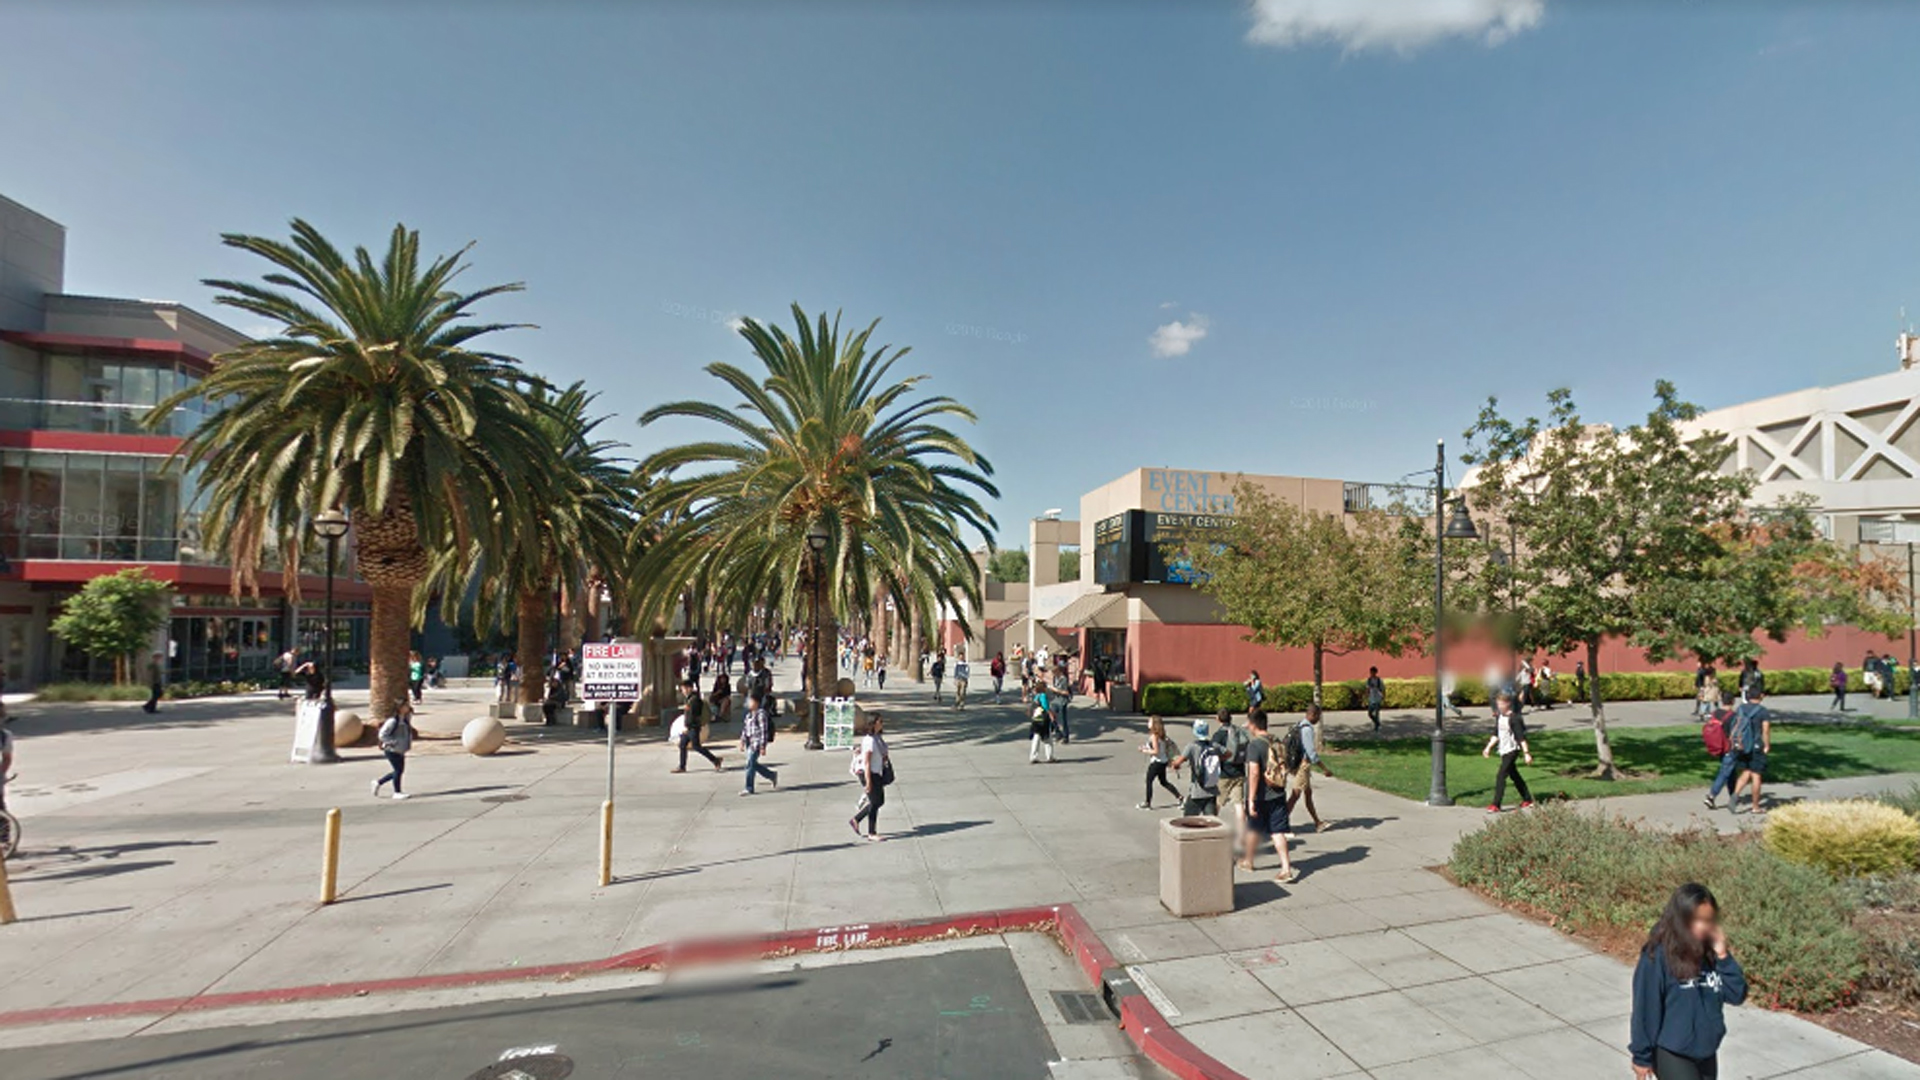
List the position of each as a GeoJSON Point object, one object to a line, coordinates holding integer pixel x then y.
{"type": "Point", "coordinates": [1291, 237]}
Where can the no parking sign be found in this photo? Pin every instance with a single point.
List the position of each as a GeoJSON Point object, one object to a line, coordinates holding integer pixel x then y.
{"type": "Point", "coordinates": [610, 672]}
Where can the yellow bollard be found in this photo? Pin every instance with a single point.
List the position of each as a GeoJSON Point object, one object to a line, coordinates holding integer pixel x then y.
{"type": "Point", "coordinates": [7, 914]}
{"type": "Point", "coordinates": [606, 843]}
{"type": "Point", "coordinates": [330, 858]}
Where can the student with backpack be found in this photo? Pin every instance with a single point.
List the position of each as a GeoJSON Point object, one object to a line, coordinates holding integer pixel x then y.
{"type": "Point", "coordinates": [1231, 742]}
{"type": "Point", "coordinates": [1510, 736]}
{"type": "Point", "coordinates": [1376, 696]}
{"type": "Point", "coordinates": [1202, 760]}
{"type": "Point", "coordinates": [396, 739]}
{"type": "Point", "coordinates": [1268, 808]}
{"type": "Point", "coordinates": [693, 715]}
{"type": "Point", "coordinates": [1300, 754]}
{"type": "Point", "coordinates": [1040, 730]}
{"type": "Point", "coordinates": [1714, 734]}
{"type": "Point", "coordinates": [1751, 740]}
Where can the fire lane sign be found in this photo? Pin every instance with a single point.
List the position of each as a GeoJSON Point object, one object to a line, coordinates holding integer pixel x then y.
{"type": "Point", "coordinates": [610, 672]}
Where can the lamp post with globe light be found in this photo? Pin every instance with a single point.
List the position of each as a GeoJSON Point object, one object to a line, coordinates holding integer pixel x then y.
{"type": "Point", "coordinates": [330, 525]}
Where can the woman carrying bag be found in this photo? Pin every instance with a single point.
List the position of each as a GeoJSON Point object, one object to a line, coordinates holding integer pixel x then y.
{"type": "Point", "coordinates": [396, 739]}
{"type": "Point", "coordinates": [873, 767]}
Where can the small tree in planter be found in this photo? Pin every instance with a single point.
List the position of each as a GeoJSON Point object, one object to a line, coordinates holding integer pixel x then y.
{"type": "Point", "coordinates": [114, 615]}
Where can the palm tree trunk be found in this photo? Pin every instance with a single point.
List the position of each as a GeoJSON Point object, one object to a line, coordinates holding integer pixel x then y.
{"type": "Point", "coordinates": [916, 644]}
{"type": "Point", "coordinates": [531, 649]}
{"type": "Point", "coordinates": [390, 633]}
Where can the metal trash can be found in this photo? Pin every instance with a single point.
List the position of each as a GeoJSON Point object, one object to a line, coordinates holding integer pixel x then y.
{"type": "Point", "coordinates": [1196, 866]}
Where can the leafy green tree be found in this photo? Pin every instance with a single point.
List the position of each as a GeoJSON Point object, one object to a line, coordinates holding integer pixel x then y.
{"type": "Point", "coordinates": [1008, 564]}
{"type": "Point", "coordinates": [823, 437]}
{"type": "Point", "coordinates": [1070, 564]}
{"type": "Point", "coordinates": [1619, 531]}
{"type": "Point", "coordinates": [114, 615]}
{"type": "Point", "coordinates": [369, 397]}
{"type": "Point", "coordinates": [1299, 578]}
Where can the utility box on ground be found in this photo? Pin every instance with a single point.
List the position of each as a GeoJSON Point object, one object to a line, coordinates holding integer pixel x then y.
{"type": "Point", "coordinates": [1196, 866]}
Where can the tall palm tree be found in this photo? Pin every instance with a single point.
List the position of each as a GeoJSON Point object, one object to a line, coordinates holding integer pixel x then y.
{"type": "Point", "coordinates": [369, 397]}
{"type": "Point", "coordinates": [581, 517]}
{"type": "Point", "coordinates": [822, 439]}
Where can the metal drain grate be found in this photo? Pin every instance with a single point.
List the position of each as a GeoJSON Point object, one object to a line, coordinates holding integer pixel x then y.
{"type": "Point", "coordinates": [1082, 1008]}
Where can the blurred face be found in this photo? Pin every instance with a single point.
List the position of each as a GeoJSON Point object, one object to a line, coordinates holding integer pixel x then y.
{"type": "Point", "coordinates": [1705, 920]}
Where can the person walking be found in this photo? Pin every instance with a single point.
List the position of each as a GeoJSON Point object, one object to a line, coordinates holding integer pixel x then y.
{"type": "Point", "coordinates": [284, 665]}
{"type": "Point", "coordinates": [873, 767]}
{"type": "Point", "coordinates": [1256, 692]}
{"type": "Point", "coordinates": [694, 711]}
{"type": "Point", "coordinates": [1100, 682]}
{"type": "Point", "coordinates": [960, 680]}
{"type": "Point", "coordinates": [1449, 685]}
{"type": "Point", "coordinates": [1838, 682]}
{"type": "Point", "coordinates": [396, 739]}
{"type": "Point", "coordinates": [1202, 762]}
{"type": "Point", "coordinates": [880, 670]}
{"type": "Point", "coordinates": [1682, 983]}
{"type": "Point", "coordinates": [1040, 731]}
{"type": "Point", "coordinates": [1267, 806]}
{"type": "Point", "coordinates": [1059, 694]}
{"type": "Point", "coordinates": [1580, 679]}
{"type": "Point", "coordinates": [1706, 689]}
{"type": "Point", "coordinates": [756, 733]}
{"type": "Point", "coordinates": [1159, 751]}
{"type": "Point", "coordinates": [1717, 734]}
{"type": "Point", "coordinates": [1543, 684]}
{"type": "Point", "coordinates": [1302, 756]}
{"type": "Point", "coordinates": [156, 682]}
{"type": "Point", "coordinates": [1510, 738]}
{"type": "Point", "coordinates": [1752, 679]}
{"type": "Point", "coordinates": [939, 671]}
{"type": "Point", "coordinates": [1752, 741]}
{"type": "Point", "coordinates": [998, 670]}
{"type": "Point", "coordinates": [1231, 742]}
{"type": "Point", "coordinates": [416, 675]}
{"type": "Point", "coordinates": [1376, 696]}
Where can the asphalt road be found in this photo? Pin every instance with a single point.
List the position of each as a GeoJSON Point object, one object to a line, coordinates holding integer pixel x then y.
{"type": "Point", "coordinates": [949, 1016]}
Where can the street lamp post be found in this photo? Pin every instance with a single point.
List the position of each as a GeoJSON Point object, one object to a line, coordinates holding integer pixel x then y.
{"type": "Point", "coordinates": [817, 537]}
{"type": "Point", "coordinates": [330, 525]}
{"type": "Point", "coordinates": [1458, 527]}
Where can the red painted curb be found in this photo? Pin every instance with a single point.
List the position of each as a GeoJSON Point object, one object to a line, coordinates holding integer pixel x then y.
{"type": "Point", "coordinates": [1150, 1031]}
{"type": "Point", "coordinates": [760, 946]}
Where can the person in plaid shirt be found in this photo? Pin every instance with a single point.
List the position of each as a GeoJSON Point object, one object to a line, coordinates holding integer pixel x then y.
{"type": "Point", "coordinates": [756, 731]}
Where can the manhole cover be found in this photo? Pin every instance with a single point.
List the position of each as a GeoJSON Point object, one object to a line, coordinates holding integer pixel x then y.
{"type": "Point", "coordinates": [1082, 1008]}
{"type": "Point", "coordinates": [530, 1067]}
{"type": "Point", "coordinates": [512, 797]}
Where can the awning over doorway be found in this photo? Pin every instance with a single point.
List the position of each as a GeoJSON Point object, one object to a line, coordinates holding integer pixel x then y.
{"type": "Point", "coordinates": [1098, 611]}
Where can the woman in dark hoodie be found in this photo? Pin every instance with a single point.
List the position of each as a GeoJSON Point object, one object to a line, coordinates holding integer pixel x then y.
{"type": "Point", "coordinates": [1684, 977]}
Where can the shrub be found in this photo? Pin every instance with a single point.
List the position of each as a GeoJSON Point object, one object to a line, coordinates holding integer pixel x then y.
{"type": "Point", "coordinates": [1790, 925]}
{"type": "Point", "coordinates": [79, 691]}
{"type": "Point", "coordinates": [1846, 838]}
{"type": "Point", "coordinates": [1907, 801]}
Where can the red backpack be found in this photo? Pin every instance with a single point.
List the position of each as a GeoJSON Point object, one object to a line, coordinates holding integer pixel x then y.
{"type": "Point", "coordinates": [1714, 732]}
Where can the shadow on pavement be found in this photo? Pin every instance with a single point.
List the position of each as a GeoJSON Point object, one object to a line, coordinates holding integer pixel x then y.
{"type": "Point", "coordinates": [394, 892]}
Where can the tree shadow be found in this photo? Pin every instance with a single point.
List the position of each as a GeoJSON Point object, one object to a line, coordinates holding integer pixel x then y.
{"type": "Point", "coordinates": [85, 873]}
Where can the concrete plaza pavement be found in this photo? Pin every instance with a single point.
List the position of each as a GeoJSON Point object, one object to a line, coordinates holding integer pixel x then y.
{"type": "Point", "coordinates": [179, 855]}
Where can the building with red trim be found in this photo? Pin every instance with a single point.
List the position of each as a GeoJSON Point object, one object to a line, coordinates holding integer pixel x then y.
{"type": "Point", "coordinates": [88, 488]}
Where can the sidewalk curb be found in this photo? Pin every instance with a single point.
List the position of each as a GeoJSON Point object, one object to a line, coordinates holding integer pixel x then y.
{"type": "Point", "coordinates": [1139, 1018]}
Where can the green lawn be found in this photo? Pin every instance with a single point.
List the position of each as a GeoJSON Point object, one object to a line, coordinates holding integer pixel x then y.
{"type": "Point", "coordinates": [1664, 759]}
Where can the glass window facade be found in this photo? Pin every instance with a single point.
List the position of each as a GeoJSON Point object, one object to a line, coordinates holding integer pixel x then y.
{"type": "Point", "coordinates": [103, 395]}
{"type": "Point", "coordinates": [116, 507]}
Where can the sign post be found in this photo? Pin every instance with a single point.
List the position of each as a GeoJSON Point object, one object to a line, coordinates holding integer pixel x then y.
{"type": "Point", "coordinates": [610, 673]}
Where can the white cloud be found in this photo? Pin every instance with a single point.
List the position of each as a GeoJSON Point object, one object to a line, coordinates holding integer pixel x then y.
{"type": "Point", "coordinates": [1398, 25]}
{"type": "Point", "coordinates": [1176, 338]}
{"type": "Point", "coordinates": [1169, 304]}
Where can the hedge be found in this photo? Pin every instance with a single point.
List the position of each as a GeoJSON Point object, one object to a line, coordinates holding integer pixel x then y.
{"type": "Point", "coordinates": [1188, 699]}
{"type": "Point", "coordinates": [80, 691]}
{"type": "Point", "coordinates": [1791, 925]}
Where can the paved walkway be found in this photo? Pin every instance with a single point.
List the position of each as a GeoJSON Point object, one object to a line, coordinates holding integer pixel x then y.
{"type": "Point", "coordinates": [179, 855]}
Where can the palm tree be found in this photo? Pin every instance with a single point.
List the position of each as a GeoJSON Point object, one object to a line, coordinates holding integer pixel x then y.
{"type": "Point", "coordinates": [369, 398]}
{"type": "Point", "coordinates": [581, 521]}
{"type": "Point", "coordinates": [822, 439]}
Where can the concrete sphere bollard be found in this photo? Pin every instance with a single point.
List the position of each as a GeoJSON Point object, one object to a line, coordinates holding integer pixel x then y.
{"type": "Point", "coordinates": [348, 729]}
{"type": "Point", "coordinates": [483, 735]}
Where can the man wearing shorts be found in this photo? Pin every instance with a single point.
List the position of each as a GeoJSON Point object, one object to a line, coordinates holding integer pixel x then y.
{"type": "Point", "coordinates": [1752, 741]}
{"type": "Point", "coordinates": [1300, 770]}
{"type": "Point", "coordinates": [1266, 803]}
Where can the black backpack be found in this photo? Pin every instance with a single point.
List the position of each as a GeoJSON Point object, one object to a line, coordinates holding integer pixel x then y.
{"type": "Point", "coordinates": [1296, 748]}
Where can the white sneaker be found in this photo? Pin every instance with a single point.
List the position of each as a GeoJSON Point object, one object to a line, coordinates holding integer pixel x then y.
{"type": "Point", "coordinates": [401, 795]}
